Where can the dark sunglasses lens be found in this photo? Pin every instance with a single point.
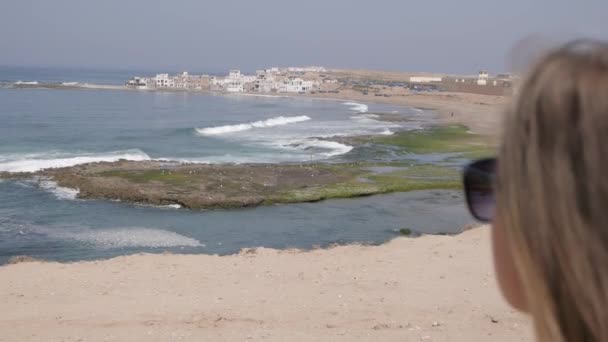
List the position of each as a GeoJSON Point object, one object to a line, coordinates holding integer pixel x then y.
{"type": "Point", "coordinates": [479, 183]}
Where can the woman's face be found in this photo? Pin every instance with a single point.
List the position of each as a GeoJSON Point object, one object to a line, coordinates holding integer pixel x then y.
{"type": "Point", "coordinates": [506, 273]}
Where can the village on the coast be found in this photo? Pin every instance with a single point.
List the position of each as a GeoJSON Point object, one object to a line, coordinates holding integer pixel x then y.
{"type": "Point", "coordinates": [318, 79]}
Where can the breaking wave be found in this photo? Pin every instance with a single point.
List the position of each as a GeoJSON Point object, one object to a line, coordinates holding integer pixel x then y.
{"type": "Point", "coordinates": [357, 107]}
{"type": "Point", "coordinates": [59, 192]}
{"type": "Point", "coordinates": [327, 148]}
{"type": "Point", "coordinates": [386, 132]}
{"type": "Point", "coordinates": [317, 147]}
{"type": "Point", "coordinates": [278, 121]}
{"type": "Point", "coordinates": [26, 83]}
{"type": "Point", "coordinates": [39, 161]}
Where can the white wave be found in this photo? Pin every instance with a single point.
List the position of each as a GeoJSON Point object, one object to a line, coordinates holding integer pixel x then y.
{"type": "Point", "coordinates": [364, 117]}
{"type": "Point", "coordinates": [278, 121]}
{"type": "Point", "coordinates": [61, 193]}
{"type": "Point", "coordinates": [40, 161]}
{"type": "Point", "coordinates": [357, 107]}
{"type": "Point", "coordinates": [335, 148]}
{"type": "Point", "coordinates": [321, 148]}
{"type": "Point", "coordinates": [171, 206]}
{"type": "Point", "coordinates": [261, 95]}
{"type": "Point", "coordinates": [386, 132]}
{"type": "Point", "coordinates": [69, 83]}
{"type": "Point", "coordinates": [417, 111]}
{"type": "Point", "coordinates": [122, 237]}
{"type": "Point", "coordinates": [166, 206]}
{"type": "Point", "coordinates": [26, 83]}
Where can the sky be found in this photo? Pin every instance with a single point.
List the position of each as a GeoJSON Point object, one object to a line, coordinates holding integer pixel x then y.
{"type": "Point", "coordinates": [452, 36]}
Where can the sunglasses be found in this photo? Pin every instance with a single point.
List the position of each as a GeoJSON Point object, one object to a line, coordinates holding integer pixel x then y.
{"type": "Point", "coordinates": [479, 178]}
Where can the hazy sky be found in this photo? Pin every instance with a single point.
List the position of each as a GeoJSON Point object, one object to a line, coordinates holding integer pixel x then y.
{"type": "Point", "coordinates": [459, 36]}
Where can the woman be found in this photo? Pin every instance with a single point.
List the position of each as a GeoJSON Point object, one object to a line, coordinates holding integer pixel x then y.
{"type": "Point", "coordinates": [547, 196]}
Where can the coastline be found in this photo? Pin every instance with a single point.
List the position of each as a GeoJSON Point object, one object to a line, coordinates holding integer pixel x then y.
{"type": "Point", "coordinates": [193, 186]}
{"type": "Point", "coordinates": [432, 288]}
{"type": "Point", "coordinates": [481, 113]}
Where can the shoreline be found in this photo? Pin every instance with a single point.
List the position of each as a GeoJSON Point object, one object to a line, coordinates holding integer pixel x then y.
{"type": "Point", "coordinates": [481, 113]}
{"type": "Point", "coordinates": [431, 288]}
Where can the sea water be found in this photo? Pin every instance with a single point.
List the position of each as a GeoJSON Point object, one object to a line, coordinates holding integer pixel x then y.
{"type": "Point", "coordinates": [43, 128]}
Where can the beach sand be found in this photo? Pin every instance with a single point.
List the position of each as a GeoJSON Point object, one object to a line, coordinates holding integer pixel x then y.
{"type": "Point", "coordinates": [432, 288]}
{"type": "Point", "coordinates": [481, 113]}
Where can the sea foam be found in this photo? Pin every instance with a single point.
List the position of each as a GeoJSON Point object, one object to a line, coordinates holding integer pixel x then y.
{"type": "Point", "coordinates": [322, 148]}
{"type": "Point", "coordinates": [133, 237]}
{"type": "Point", "coordinates": [357, 107]}
{"type": "Point", "coordinates": [278, 121]}
{"type": "Point", "coordinates": [26, 83]}
{"type": "Point", "coordinates": [120, 237]}
{"type": "Point", "coordinates": [39, 161]}
{"type": "Point", "coordinates": [386, 131]}
{"type": "Point", "coordinates": [61, 193]}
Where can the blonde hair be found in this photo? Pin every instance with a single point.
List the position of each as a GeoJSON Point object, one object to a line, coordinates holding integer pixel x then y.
{"type": "Point", "coordinates": [552, 193]}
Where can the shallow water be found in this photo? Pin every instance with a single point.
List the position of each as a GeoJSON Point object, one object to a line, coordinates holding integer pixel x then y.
{"type": "Point", "coordinates": [35, 221]}
{"type": "Point", "coordinates": [49, 127]}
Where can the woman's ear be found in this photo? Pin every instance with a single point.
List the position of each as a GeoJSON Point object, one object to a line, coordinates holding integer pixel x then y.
{"type": "Point", "coordinates": [507, 275]}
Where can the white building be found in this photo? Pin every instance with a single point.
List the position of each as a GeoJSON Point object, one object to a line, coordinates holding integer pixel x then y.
{"type": "Point", "coordinates": [164, 81]}
{"type": "Point", "coordinates": [138, 82]}
{"type": "Point", "coordinates": [234, 87]}
{"type": "Point", "coordinates": [307, 69]}
{"type": "Point", "coordinates": [248, 78]}
{"type": "Point", "coordinates": [265, 82]}
{"type": "Point", "coordinates": [182, 81]}
{"type": "Point", "coordinates": [295, 85]}
{"type": "Point", "coordinates": [234, 83]}
{"type": "Point", "coordinates": [425, 79]}
{"type": "Point", "coordinates": [234, 74]}
{"type": "Point", "coordinates": [482, 79]}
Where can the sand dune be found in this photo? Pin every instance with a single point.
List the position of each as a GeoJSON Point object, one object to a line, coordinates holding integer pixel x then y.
{"type": "Point", "coordinates": [433, 288]}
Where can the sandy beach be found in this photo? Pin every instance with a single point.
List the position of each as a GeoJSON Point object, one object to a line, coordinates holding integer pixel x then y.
{"type": "Point", "coordinates": [432, 288]}
{"type": "Point", "coordinates": [481, 113]}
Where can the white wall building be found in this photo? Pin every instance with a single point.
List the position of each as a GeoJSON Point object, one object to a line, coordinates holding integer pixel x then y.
{"type": "Point", "coordinates": [164, 81]}
{"type": "Point", "coordinates": [307, 69]}
{"type": "Point", "coordinates": [425, 79]}
{"type": "Point", "coordinates": [234, 74]}
{"type": "Point", "coordinates": [482, 79]}
{"type": "Point", "coordinates": [295, 85]}
{"type": "Point", "coordinates": [138, 82]}
{"type": "Point", "coordinates": [234, 87]}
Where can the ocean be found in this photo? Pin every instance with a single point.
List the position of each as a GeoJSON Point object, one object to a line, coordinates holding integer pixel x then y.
{"type": "Point", "coordinates": [42, 128]}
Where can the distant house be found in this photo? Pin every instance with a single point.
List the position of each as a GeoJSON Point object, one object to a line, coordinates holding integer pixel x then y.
{"type": "Point", "coordinates": [137, 82]}
{"type": "Point", "coordinates": [234, 87]}
{"type": "Point", "coordinates": [265, 82]}
{"type": "Point", "coordinates": [502, 84]}
{"type": "Point", "coordinates": [425, 79]}
{"type": "Point", "coordinates": [164, 81]}
{"type": "Point", "coordinates": [482, 79]}
{"type": "Point", "coordinates": [295, 85]}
